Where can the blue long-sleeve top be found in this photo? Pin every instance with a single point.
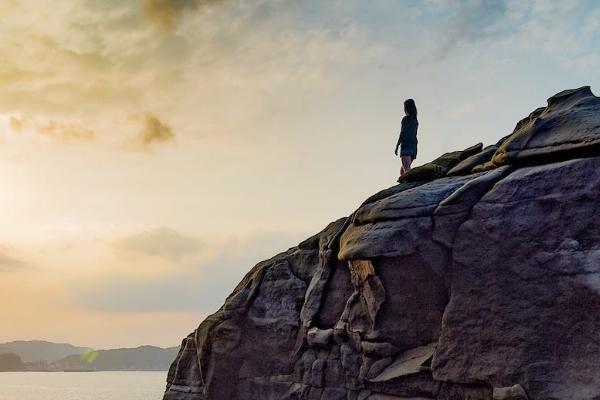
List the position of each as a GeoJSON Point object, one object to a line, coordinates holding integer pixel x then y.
{"type": "Point", "coordinates": [408, 135]}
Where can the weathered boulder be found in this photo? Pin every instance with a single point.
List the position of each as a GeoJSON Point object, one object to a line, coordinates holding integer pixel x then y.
{"type": "Point", "coordinates": [568, 127]}
{"type": "Point", "coordinates": [480, 285]}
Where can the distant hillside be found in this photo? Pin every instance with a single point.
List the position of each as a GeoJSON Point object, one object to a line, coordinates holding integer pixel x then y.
{"type": "Point", "coordinates": [38, 350]}
{"type": "Point", "coordinates": [10, 362]}
{"type": "Point", "coordinates": [143, 358]}
{"type": "Point", "coordinates": [38, 355]}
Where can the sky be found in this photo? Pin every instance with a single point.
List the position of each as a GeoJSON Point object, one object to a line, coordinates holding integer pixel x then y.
{"type": "Point", "coordinates": [153, 151]}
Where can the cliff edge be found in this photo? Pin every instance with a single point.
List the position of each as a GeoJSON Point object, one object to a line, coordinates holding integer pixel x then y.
{"type": "Point", "coordinates": [476, 278]}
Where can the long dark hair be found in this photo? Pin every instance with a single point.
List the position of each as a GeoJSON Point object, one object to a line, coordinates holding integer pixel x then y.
{"type": "Point", "coordinates": [410, 108]}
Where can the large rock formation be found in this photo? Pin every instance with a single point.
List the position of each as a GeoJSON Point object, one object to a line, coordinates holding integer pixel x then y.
{"type": "Point", "coordinates": [477, 278]}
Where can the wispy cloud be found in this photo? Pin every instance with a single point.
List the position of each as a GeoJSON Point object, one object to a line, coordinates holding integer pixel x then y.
{"type": "Point", "coordinates": [160, 242]}
{"type": "Point", "coordinates": [200, 284]}
{"type": "Point", "coordinates": [52, 129]}
{"type": "Point", "coordinates": [474, 20]}
{"type": "Point", "coordinates": [9, 263]}
{"type": "Point", "coordinates": [154, 131]}
{"type": "Point", "coordinates": [456, 25]}
{"type": "Point", "coordinates": [165, 13]}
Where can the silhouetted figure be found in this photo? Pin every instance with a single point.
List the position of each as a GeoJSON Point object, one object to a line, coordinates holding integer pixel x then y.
{"type": "Point", "coordinates": [408, 137]}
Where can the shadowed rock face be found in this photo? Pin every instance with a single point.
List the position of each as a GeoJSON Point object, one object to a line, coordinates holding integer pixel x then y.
{"type": "Point", "coordinates": [478, 279]}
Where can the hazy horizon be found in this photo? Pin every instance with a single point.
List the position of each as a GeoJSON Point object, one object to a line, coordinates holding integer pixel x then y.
{"type": "Point", "coordinates": [82, 345]}
{"type": "Point", "coordinates": [154, 151]}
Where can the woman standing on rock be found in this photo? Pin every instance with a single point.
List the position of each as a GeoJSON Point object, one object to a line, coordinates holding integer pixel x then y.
{"type": "Point", "coordinates": [408, 137]}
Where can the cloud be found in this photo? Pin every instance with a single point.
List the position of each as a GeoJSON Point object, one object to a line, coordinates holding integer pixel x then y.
{"type": "Point", "coordinates": [100, 62]}
{"type": "Point", "coordinates": [65, 131]}
{"type": "Point", "coordinates": [9, 263]}
{"type": "Point", "coordinates": [16, 124]}
{"type": "Point", "coordinates": [226, 66]}
{"type": "Point", "coordinates": [154, 131]}
{"type": "Point", "coordinates": [165, 13]}
{"type": "Point", "coordinates": [471, 21]}
{"type": "Point", "coordinates": [52, 129]}
{"type": "Point", "coordinates": [200, 286]}
{"type": "Point", "coordinates": [479, 18]}
{"type": "Point", "coordinates": [160, 242]}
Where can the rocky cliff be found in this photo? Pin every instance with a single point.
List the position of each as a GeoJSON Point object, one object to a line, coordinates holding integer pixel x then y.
{"type": "Point", "coordinates": [478, 277]}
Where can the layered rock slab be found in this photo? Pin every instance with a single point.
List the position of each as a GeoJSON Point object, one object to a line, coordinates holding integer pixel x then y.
{"type": "Point", "coordinates": [569, 126]}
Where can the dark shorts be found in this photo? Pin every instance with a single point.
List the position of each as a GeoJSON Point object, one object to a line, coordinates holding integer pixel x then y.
{"type": "Point", "coordinates": [411, 153]}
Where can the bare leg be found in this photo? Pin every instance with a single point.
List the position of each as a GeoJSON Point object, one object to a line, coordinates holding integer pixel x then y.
{"type": "Point", "coordinates": [406, 161]}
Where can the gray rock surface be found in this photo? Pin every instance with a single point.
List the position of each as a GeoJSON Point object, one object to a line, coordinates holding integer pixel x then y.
{"type": "Point", "coordinates": [466, 166]}
{"type": "Point", "coordinates": [532, 288]}
{"type": "Point", "coordinates": [515, 392]}
{"type": "Point", "coordinates": [481, 285]}
{"type": "Point", "coordinates": [569, 126]}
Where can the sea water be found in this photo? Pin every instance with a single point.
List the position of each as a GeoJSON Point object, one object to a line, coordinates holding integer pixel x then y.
{"type": "Point", "coordinates": [130, 385]}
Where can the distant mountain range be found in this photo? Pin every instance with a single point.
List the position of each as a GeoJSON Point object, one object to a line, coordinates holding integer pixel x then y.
{"type": "Point", "coordinates": [38, 355]}
{"type": "Point", "coordinates": [39, 350]}
{"type": "Point", "coordinates": [143, 358]}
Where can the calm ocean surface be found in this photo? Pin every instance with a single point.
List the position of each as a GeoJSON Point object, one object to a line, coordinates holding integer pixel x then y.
{"type": "Point", "coordinates": [82, 385]}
